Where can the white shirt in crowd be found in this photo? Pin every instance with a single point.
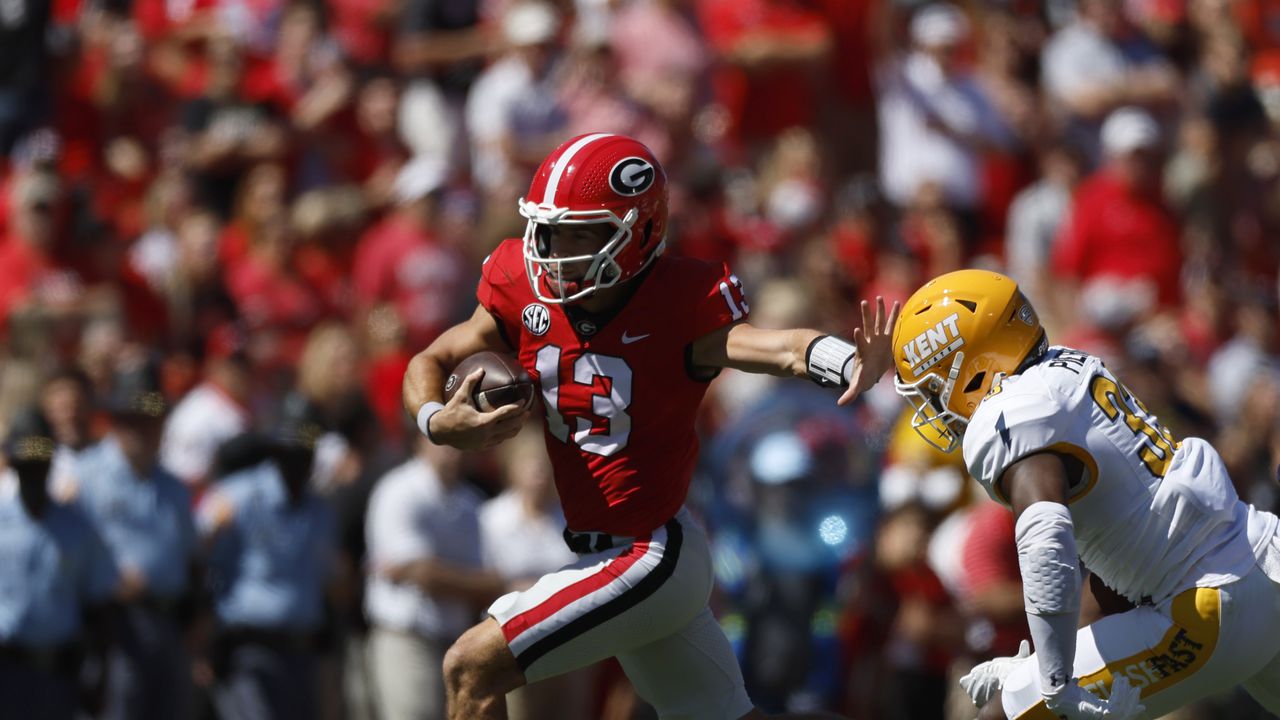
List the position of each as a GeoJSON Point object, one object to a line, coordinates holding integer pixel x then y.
{"type": "Point", "coordinates": [518, 546]}
{"type": "Point", "coordinates": [204, 419]}
{"type": "Point", "coordinates": [914, 90]}
{"type": "Point", "coordinates": [413, 516]}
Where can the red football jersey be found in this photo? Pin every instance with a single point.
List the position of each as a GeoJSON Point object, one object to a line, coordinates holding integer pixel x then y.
{"type": "Point", "coordinates": [619, 398]}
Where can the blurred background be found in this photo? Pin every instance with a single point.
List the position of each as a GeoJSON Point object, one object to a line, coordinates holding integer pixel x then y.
{"type": "Point", "coordinates": [226, 225]}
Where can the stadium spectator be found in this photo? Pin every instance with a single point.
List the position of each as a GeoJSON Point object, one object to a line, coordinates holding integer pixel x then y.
{"type": "Point", "coordinates": [426, 579]}
{"type": "Point", "coordinates": [935, 118]}
{"type": "Point", "coordinates": [66, 401]}
{"type": "Point", "coordinates": [52, 614]}
{"type": "Point", "coordinates": [1120, 242]}
{"type": "Point", "coordinates": [143, 513]}
{"type": "Point", "coordinates": [1097, 63]}
{"type": "Point", "coordinates": [213, 412]}
{"type": "Point", "coordinates": [403, 261]}
{"type": "Point", "coordinates": [270, 551]}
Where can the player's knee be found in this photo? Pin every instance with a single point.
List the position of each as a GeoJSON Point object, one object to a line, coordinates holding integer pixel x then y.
{"type": "Point", "coordinates": [473, 665]}
{"type": "Point", "coordinates": [993, 710]}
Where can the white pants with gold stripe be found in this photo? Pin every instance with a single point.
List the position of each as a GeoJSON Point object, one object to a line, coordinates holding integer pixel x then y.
{"type": "Point", "coordinates": [1201, 642]}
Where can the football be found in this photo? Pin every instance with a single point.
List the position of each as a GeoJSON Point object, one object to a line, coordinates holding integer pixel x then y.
{"type": "Point", "coordinates": [504, 382]}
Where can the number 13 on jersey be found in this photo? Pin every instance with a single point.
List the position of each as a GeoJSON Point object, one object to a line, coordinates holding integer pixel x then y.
{"type": "Point", "coordinates": [607, 381]}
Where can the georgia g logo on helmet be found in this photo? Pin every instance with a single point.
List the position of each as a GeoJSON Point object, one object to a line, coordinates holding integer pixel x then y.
{"type": "Point", "coordinates": [631, 176]}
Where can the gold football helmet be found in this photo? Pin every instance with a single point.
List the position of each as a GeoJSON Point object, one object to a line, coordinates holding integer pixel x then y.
{"type": "Point", "coordinates": [954, 337]}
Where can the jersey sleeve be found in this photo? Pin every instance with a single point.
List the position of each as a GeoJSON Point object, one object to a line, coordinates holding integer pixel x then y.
{"type": "Point", "coordinates": [1010, 426]}
{"type": "Point", "coordinates": [722, 301]}
{"type": "Point", "coordinates": [497, 292]}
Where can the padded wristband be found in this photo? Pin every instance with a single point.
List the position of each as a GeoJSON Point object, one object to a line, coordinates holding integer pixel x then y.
{"type": "Point", "coordinates": [829, 361]}
{"type": "Point", "coordinates": [424, 417]}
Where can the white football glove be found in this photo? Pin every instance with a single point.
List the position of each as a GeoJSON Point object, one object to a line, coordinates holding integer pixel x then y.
{"type": "Point", "coordinates": [985, 679]}
{"type": "Point", "coordinates": [1075, 703]}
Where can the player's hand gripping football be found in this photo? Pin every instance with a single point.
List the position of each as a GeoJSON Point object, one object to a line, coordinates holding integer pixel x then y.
{"type": "Point", "coordinates": [461, 425]}
{"type": "Point", "coordinates": [986, 679]}
{"type": "Point", "coordinates": [874, 341]}
{"type": "Point", "coordinates": [1075, 703]}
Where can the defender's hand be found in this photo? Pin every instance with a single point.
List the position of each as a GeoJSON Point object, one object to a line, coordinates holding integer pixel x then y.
{"type": "Point", "coordinates": [875, 349]}
{"type": "Point", "coordinates": [986, 679]}
{"type": "Point", "coordinates": [462, 426]}
{"type": "Point", "coordinates": [1075, 703]}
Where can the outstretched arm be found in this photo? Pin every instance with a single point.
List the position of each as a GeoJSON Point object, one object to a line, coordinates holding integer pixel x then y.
{"type": "Point", "coordinates": [825, 359]}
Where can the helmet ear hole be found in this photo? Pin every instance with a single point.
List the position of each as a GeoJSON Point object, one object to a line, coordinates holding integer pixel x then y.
{"type": "Point", "coordinates": [648, 232]}
{"type": "Point", "coordinates": [975, 383]}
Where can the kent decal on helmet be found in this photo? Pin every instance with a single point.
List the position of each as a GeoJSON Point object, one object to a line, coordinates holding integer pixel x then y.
{"type": "Point", "coordinates": [594, 179]}
{"type": "Point", "coordinates": [955, 336]}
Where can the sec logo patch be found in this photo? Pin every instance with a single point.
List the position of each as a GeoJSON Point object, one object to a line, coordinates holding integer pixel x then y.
{"type": "Point", "coordinates": [537, 319]}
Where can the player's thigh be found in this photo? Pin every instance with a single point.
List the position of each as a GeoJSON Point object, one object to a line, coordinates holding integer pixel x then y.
{"type": "Point", "coordinates": [1200, 643]}
{"type": "Point", "coordinates": [608, 603]}
{"type": "Point", "coordinates": [690, 675]}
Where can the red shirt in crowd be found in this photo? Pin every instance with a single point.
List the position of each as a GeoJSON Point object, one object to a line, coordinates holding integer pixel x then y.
{"type": "Point", "coordinates": [398, 261]}
{"type": "Point", "coordinates": [1118, 232]}
{"type": "Point", "coordinates": [26, 273]}
{"type": "Point", "coordinates": [989, 557]}
{"type": "Point", "coordinates": [763, 101]}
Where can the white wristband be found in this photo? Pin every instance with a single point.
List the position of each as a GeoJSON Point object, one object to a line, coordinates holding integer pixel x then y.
{"type": "Point", "coordinates": [830, 361]}
{"type": "Point", "coordinates": [424, 417]}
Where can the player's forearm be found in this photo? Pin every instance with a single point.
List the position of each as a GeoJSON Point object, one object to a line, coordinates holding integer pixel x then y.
{"type": "Point", "coordinates": [423, 380]}
{"type": "Point", "coordinates": [785, 353]}
{"type": "Point", "coordinates": [1050, 568]}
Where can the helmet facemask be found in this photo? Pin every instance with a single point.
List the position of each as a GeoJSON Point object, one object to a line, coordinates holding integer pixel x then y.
{"type": "Point", "coordinates": [602, 268]}
{"type": "Point", "coordinates": [930, 398]}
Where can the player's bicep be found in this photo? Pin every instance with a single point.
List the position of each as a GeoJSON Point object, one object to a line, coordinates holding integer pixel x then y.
{"type": "Point", "coordinates": [1040, 477]}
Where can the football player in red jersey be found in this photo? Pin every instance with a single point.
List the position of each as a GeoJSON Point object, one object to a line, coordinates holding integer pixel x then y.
{"type": "Point", "coordinates": [621, 342]}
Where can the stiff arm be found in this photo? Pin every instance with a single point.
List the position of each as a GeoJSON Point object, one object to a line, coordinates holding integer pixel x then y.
{"type": "Point", "coordinates": [786, 353]}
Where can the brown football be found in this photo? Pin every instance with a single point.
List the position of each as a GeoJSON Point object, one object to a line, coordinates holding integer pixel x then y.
{"type": "Point", "coordinates": [504, 382]}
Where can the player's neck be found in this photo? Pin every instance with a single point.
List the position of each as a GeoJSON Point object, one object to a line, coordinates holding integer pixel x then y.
{"type": "Point", "coordinates": [608, 301]}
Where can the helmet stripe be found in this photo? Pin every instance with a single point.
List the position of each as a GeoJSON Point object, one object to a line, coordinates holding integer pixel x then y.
{"type": "Point", "coordinates": [553, 183]}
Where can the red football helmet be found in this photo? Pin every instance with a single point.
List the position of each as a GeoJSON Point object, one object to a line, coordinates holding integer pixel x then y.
{"type": "Point", "coordinates": [597, 178]}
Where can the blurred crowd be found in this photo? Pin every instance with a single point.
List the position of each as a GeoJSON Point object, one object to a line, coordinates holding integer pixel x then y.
{"type": "Point", "coordinates": [226, 225]}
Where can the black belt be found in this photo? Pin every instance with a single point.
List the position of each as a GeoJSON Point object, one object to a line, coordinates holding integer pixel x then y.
{"type": "Point", "coordinates": [279, 640]}
{"type": "Point", "coordinates": [585, 543]}
{"type": "Point", "coordinates": [158, 604]}
{"type": "Point", "coordinates": [54, 658]}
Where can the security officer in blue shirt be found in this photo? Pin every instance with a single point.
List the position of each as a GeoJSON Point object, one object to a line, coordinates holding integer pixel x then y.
{"type": "Point", "coordinates": [144, 515]}
{"type": "Point", "coordinates": [55, 576]}
{"type": "Point", "coordinates": [271, 552]}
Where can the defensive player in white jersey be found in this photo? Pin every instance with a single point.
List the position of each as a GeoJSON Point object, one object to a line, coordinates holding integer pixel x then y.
{"type": "Point", "coordinates": [1092, 478]}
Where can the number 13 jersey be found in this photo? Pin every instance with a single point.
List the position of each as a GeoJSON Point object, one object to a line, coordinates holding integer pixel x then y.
{"type": "Point", "coordinates": [1153, 516]}
{"type": "Point", "coordinates": [620, 399]}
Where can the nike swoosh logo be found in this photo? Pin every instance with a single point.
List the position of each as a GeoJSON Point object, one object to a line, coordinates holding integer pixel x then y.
{"type": "Point", "coordinates": [628, 339]}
